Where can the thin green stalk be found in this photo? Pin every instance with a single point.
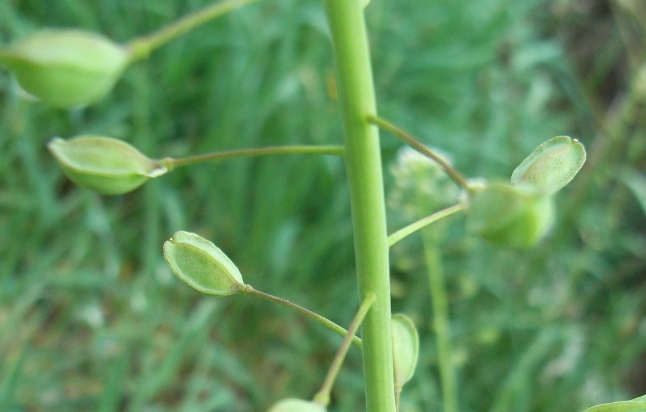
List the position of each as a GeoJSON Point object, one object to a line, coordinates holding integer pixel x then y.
{"type": "Point", "coordinates": [422, 223]}
{"type": "Point", "coordinates": [248, 290]}
{"type": "Point", "coordinates": [172, 163]}
{"type": "Point", "coordinates": [141, 47]}
{"type": "Point", "coordinates": [441, 323]}
{"type": "Point", "coordinates": [420, 147]}
{"type": "Point", "coordinates": [323, 395]}
{"type": "Point", "coordinates": [364, 171]}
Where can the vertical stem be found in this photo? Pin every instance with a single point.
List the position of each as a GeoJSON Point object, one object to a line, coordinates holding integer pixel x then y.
{"type": "Point", "coordinates": [364, 169]}
{"type": "Point", "coordinates": [441, 323]}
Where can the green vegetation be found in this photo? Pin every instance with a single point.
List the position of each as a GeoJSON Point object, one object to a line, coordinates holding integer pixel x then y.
{"type": "Point", "coordinates": [91, 318]}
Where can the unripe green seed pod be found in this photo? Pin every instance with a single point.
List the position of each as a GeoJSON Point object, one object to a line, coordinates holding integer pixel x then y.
{"type": "Point", "coordinates": [66, 68]}
{"type": "Point", "coordinates": [625, 406]}
{"type": "Point", "coordinates": [297, 405]}
{"type": "Point", "coordinates": [202, 265]}
{"type": "Point", "coordinates": [405, 349]}
{"type": "Point", "coordinates": [510, 216]}
{"type": "Point", "coordinates": [104, 165]}
{"type": "Point", "coordinates": [551, 165]}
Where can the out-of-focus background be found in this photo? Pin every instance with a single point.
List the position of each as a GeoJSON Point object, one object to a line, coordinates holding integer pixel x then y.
{"type": "Point", "coordinates": [92, 319]}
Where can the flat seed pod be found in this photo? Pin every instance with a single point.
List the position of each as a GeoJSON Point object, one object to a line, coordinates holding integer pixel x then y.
{"type": "Point", "coordinates": [66, 68]}
{"type": "Point", "coordinates": [296, 405]}
{"type": "Point", "coordinates": [103, 164]}
{"type": "Point", "coordinates": [405, 349]}
{"type": "Point", "coordinates": [625, 406]}
{"type": "Point", "coordinates": [202, 265]}
{"type": "Point", "coordinates": [551, 165]}
{"type": "Point", "coordinates": [510, 216]}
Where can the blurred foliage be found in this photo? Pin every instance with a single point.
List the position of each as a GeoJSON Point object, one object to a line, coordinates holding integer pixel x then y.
{"type": "Point", "coordinates": [92, 319]}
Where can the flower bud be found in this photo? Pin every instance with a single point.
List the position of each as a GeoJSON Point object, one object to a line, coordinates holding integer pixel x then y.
{"type": "Point", "coordinates": [405, 349]}
{"type": "Point", "coordinates": [104, 165]}
{"type": "Point", "coordinates": [202, 265]}
{"type": "Point", "coordinates": [510, 216]}
{"type": "Point", "coordinates": [66, 68]}
{"type": "Point", "coordinates": [296, 405]}
{"type": "Point", "coordinates": [551, 165]}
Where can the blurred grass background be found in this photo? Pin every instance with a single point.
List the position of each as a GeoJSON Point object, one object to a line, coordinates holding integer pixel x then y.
{"type": "Point", "coordinates": [92, 320]}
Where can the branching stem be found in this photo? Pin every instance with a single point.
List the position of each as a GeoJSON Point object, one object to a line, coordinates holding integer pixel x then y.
{"type": "Point", "coordinates": [422, 223]}
{"type": "Point", "coordinates": [141, 47]}
{"type": "Point", "coordinates": [248, 290]}
{"type": "Point", "coordinates": [423, 149]}
{"type": "Point", "coordinates": [323, 395]}
{"type": "Point", "coordinates": [172, 163]}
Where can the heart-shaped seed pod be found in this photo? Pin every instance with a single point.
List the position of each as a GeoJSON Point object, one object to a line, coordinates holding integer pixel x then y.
{"type": "Point", "coordinates": [296, 405]}
{"type": "Point", "coordinates": [202, 265]}
{"type": "Point", "coordinates": [551, 165]}
{"type": "Point", "coordinates": [103, 164]}
{"type": "Point", "coordinates": [66, 68]}
{"type": "Point", "coordinates": [405, 349]}
{"type": "Point", "coordinates": [510, 216]}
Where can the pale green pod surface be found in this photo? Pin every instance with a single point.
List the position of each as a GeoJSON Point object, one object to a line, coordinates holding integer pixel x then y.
{"type": "Point", "coordinates": [202, 265]}
{"type": "Point", "coordinates": [551, 165]}
{"type": "Point", "coordinates": [405, 349]}
{"type": "Point", "coordinates": [103, 164]}
{"type": "Point", "coordinates": [66, 68]}
{"type": "Point", "coordinates": [510, 216]}
{"type": "Point", "coordinates": [296, 405]}
{"type": "Point", "coordinates": [625, 406]}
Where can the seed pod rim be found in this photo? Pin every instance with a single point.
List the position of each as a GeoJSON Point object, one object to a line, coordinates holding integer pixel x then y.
{"type": "Point", "coordinates": [66, 67]}
{"type": "Point", "coordinates": [22, 50]}
{"type": "Point", "coordinates": [405, 373]}
{"type": "Point", "coordinates": [527, 172]}
{"type": "Point", "coordinates": [205, 248]}
{"type": "Point", "coordinates": [151, 169]}
{"type": "Point", "coordinates": [293, 403]}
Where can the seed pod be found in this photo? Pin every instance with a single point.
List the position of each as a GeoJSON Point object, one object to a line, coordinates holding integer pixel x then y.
{"type": "Point", "coordinates": [66, 68]}
{"type": "Point", "coordinates": [405, 349]}
{"type": "Point", "coordinates": [296, 405]}
{"type": "Point", "coordinates": [510, 216]}
{"type": "Point", "coordinates": [551, 165]}
{"type": "Point", "coordinates": [104, 165]}
{"type": "Point", "coordinates": [624, 406]}
{"type": "Point", "coordinates": [202, 265]}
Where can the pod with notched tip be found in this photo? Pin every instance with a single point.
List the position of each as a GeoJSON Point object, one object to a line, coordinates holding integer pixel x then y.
{"type": "Point", "coordinates": [297, 405]}
{"type": "Point", "coordinates": [66, 68]}
{"type": "Point", "coordinates": [103, 164]}
{"type": "Point", "coordinates": [551, 165]}
{"type": "Point", "coordinates": [510, 216]}
{"type": "Point", "coordinates": [202, 265]}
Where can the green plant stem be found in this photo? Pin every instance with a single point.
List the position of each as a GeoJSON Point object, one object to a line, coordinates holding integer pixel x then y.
{"type": "Point", "coordinates": [422, 223]}
{"type": "Point", "coordinates": [420, 147]}
{"type": "Point", "coordinates": [172, 163]}
{"type": "Point", "coordinates": [323, 395]}
{"type": "Point", "coordinates": [248, 290]}
{"type": "Point", "coordinates": [441, 323]}
{"type": "Point", "coordinates": [141, 47]}
{"type": "Point", "coordinates": [364, 171]}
